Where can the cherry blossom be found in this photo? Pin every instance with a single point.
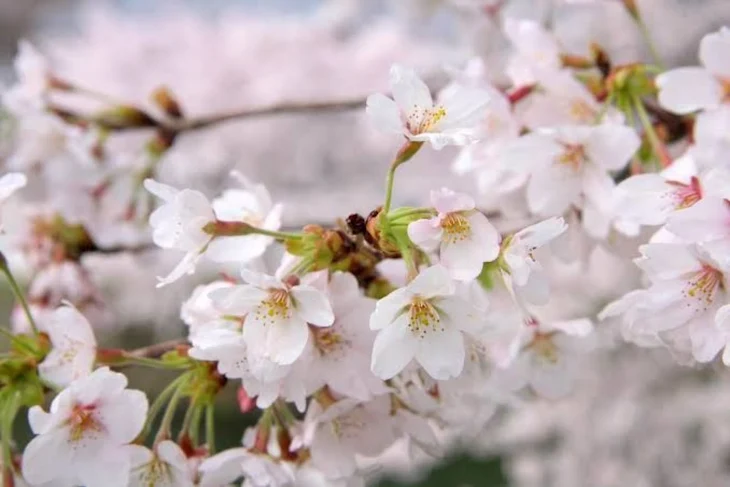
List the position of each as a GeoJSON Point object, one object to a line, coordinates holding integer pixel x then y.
{"type": "Point", "coordinates": [570, 164]}
{"type": "Point", "coordinates": [85, 433]}
{"type": "Point", "coordinates": [685, 90]}
{"type": "Point", "coordinates": [73, 347]}
{"type": "Point", "coordinates": [463, 235]}
{"type": "Point", "coordinates": [165, 466]}
{"type": "Point", "coordinates": [519, 265]}
{"type": "Point", "coordinates": [535, 50]}
{"type": "Point", "coordinates": [451, 120]}
{"type": "Point", "coordinates": [424, 320]}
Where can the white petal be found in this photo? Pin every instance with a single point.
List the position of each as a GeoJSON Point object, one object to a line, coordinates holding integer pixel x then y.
{"type": "Point", "coordinates": [685, 90]}
{"type": "Point", "coordinates": [426, 233]}
{"type": "Point", "coordinates": [47, 457]}
{"type": "Point", "coordinates": [707, 219]}
{"type": "Point", "coordinates": [312, 306]}
{"type": "Point", "coordinates": [713, 52]}
{"type": "Point", "coordinates": [484, 233]}
{"type": "Point", "coordinates": [237, 249]}
{"type": "Point", "coordinates": [434, 281]}
{"type": "Point", "coordinates": [384, 113]}
{"type": "Point", "coordinates": [389, 308]}
{"type": "Point", "coordinates": [185, 266]}
{"type": "Point", "coordinates": [442, 354]}
{"type": "Point", "coordinates": [465, 107]}
{"type": "Point", "coordinates": [536, 289]}
{"type": "Point", "coordinates": [530, 152]}
{"type": "Point", "coordinates": [409, 91]}
{"type": "Point", "coordinates": [124, 415]}
{"type": "Point", "coordinates": [463, 259]}
{"type": "Point", "coordinates": [11, 182]}
{"type": "Point", "coordinates": [394, 347]}
{"type": "Point", "coordinates": [611, 146]}
{"type": "Point", "coordinates": [162, 191]}
{"type": "Point", "coordinates": [553, 189]}
{"type": "Point", "coordinates": [448, 201]}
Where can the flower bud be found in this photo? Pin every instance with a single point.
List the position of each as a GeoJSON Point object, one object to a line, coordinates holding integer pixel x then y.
{"type": "Point", "coordinates": [164, 99]}
{"type": "Point", "coordinates": [123, 117]}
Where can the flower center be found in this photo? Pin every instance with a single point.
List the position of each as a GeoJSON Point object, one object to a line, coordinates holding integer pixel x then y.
{"type": "Point", "coordinates": [702, 287]}
{"type": "Point", "coordinates": [456, 227]}
{"type": "Point", "coordinates": [544, 347]}
{"type": "Point", "coordinates": [277, 306]}
{"type": "Point", "coordinates": [82, 421]}
{"type": "Point", "coordinates": [582, 111]}
{"type": "Point", "coordinates": [686, 195]}
{"type": "Point", "coordinates": [573, 156]}
{"type": "Point", "coordinates": [154, 473]}
{"type": "Point", "coordinates": [423, 317]}
{"type": "Point", "coordinates": [421, 120]}
{"type": "Point", "coordinates": [326, 340]}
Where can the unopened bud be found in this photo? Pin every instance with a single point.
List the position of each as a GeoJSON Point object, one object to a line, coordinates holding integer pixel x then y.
{"type": "Point", "coordinates": [631, 8]}
{"type": "Point", "coordinates": [123, 117]}
{"type": "Point", "coordinates": [164, 99]}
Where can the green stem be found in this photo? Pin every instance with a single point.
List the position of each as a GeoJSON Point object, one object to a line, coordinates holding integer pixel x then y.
{"type": "Point", "coordinates": [20, 297]}
{"type": "Point", "coordinates": [159, 402]}
{"type": "Point", "coordinates": [276, 235]}
{"type": "Point", "coordinates": [656, 144]}
{"type": "Point", "coordinates": [649, 42]}
{"type": "Point", "coordinates": [194, 430]}
{"type": "Point", "coordinates": [10, 410]}
{"type": "Point", "coordinates": [188, 418]}
{"type": "Point", "coordinates": [210, 427]}
{"type": "Point", "coordinates": [151, 362]}
{"type": "Point", "coordinates": [164, 430]}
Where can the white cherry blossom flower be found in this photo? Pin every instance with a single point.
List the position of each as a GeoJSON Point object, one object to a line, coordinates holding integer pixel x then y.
{"type": "Point", "coordinates": [73, 347]}
{"type": "Point", "coordinates": [85, 433]}
{"type": "Point", "coordinates": [687, 289]}
{"type": "Point", "coordinates": [199, 310]}
{"type": "Point", "coordinates": [464, 236]}
{"type": "Point", "coordinates": [536, 50]}
{"type": "Point", "coordinates": [519, 265]}
{"type": "Point", "coordinates": [688, 89]}
{"type": "Point", "coordinates": [569, 164]}
{"type": "Point", "coordinates": [451, 120]}
{"type": "Point", "coordinates": [340, 354]}
{"type": "Point", "coordinates": [549, 361]}
{"type": "Point", "coordinates": [344, 430]}
{"type": "Point", "coordinates": [178, 224]}
{"type": "Point", "coordinates": [424, 320]}
{"type": "Point", "coordinates": [277, 314]}
{"type": "Point", "coordinates": [33, 80]}
{"type": "Point", "coordinates": [166, 466]}
{"type": "Point", "coordinates": [251, 205]}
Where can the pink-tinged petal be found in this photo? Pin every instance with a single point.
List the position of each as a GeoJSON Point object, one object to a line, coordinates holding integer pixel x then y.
{"type": "Point", "coordinates": [439, 140]}
{"type": "Point", "coordinates": [442, 353]}
{"type": "Point", "coordinates": [713, 52]}
{"type": "Point", "coordinates": [542, 232]}
{"type": "Point", "coordinates": [312, 306]}
{"type": "Point", "coordinates": [426, 233]}
{"type": "Point", "coordinates": [685, 90]}
{"type": "Point", "coordinates": [389, 308]}
{"type": "Point", "coordinates": [47, 457]}
{"type": "Point", "coordinates": [260, 279]}
{"type": "Point", "coordinates": [409, 90]}
{"type": "Point", "coordinates": [393, 349]}
{"type": "Point", "coordinates": [112, 471]}
{"type": "Point", "coordinates": [448, 201]}
{"type": "Point", "coordinates": [711, 127]}
{"type": "Point", "coordinates": [384, 114]}
{"type": "Point", "coordinates": [611, 146]}
{"type": "Point", "coordinates": [434, 281]}
{"type": "Point", "coordinates": [553, 189]}
{"type": "Point", "coordinates": [707, 219]}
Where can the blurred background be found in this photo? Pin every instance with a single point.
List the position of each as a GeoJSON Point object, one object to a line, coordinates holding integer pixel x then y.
{"type": "Point", "coordinates": [637, 418]}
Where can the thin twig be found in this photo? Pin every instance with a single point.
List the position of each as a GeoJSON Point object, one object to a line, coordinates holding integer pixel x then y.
{"type": "Point", "coordinates": [157, 349]}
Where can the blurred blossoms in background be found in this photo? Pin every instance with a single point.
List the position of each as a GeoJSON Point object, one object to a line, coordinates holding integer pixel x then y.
{"type": "Point", "coordinates": [590, 210]}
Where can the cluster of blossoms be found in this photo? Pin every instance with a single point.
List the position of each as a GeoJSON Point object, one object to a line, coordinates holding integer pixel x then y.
{"type": "Point", "coordinates": [394, 335]}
